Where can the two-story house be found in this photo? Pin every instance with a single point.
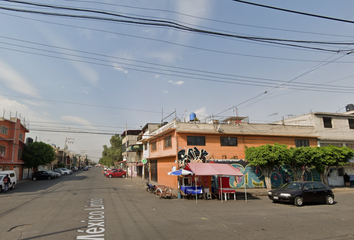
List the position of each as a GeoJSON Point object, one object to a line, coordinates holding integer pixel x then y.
{"type": "Point", "coordinates": [335, 129]}
{"type": "Point", "coordinates": [129, 151]}
{"type": "Point", "coordinates": [12, 143]}
{"type": "Point", "coordinates": [221, 141]}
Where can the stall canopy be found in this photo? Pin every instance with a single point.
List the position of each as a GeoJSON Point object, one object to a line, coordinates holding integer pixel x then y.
{"type": "Point", "coordinates": [210, 169]}
{"type": "Point", "coordinates": [180, 172]}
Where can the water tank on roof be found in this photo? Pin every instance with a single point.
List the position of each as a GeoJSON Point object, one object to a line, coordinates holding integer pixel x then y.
{"type": "Point", "coordinates": [349, 107]}
{"type": "Point", "coordinates": [192, 116]}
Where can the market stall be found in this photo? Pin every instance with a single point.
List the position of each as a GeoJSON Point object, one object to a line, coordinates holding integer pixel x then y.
{"type": "Point", "coordinates": [212, 169]}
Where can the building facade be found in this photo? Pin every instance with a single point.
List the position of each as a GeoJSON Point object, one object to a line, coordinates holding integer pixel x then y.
{"type": "Point", "coordinates": [220, 141]}
{"type": "Point", "coordinates": [12, 142]}
{"type": "Point", "coordinates": [335, 129]}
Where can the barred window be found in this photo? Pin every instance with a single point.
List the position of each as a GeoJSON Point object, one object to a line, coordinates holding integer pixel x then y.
{"type": "Point", "coordinates": [196, 140]}
{"type": "Point", "coordinates": [302, 143]}
{"type": "Point", "coordinates": [168, 142]}
{"type": "Point", "coordinates": [228, 141]}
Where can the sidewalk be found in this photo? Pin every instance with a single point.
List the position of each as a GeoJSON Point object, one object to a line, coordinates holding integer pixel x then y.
{"type": "Point", "coordinates": [250, 191]}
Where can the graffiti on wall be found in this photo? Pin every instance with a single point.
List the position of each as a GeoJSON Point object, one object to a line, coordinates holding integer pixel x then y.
{"type": "Point", "coordinates": [254, 178]}
{"type": "Point", "coordinates": [191, 155]}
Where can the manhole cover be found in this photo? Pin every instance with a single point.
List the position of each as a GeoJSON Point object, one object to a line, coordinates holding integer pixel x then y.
{"type": "Point", "coordinates": [20, 227]}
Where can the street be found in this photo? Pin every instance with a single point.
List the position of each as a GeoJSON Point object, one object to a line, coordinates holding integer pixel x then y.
{"type": "Point", "coordinates": [87, 205]}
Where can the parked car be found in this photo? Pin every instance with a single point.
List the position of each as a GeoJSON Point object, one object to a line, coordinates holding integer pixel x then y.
{"type": "Point", "coordinates": [41, 175]}
{"type": "Point", "coordinates": [74, 168]}
{"type": "Point", "coordinates": [300, 192]}
{"type": "Point", "coordinates": [56, 174]}
{"type": "Point", "coordinates": [116, 173]}
{"type": "Point", "coordinates": [51, 173]}
{"type": "Point", "coordinates": [66, 171]}
{"type": "Point", "coordinates": [86, 168]}
{"type": "Point", "coordinates": [13, 178]}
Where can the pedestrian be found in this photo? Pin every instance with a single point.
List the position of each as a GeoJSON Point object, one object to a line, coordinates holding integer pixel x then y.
{"type": "Point", "coordinates": [287, 178]}
{"type": "Point", "coordinates": [7, 182]}
{"type": "Point", "coordinates": [346, 178]}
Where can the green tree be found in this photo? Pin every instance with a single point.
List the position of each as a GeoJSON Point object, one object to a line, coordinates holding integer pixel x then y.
{"type": "Point", "coordinates": [302, 159]}
{"type": "Point", "coordinates": [266, 157]}
{"type": "Point", "coordinates": [332, 156]}
{"type": "Point", "coordinates": [113, 154]}
{"type": "Point", "coordinates": [38, 153]}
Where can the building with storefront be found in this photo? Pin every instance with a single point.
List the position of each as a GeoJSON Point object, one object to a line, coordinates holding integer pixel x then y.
{"type": "Point", "coordinates": [225, 140]}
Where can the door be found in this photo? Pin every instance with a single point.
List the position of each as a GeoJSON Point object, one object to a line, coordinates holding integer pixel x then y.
{"type": "Point", "coordinates": [153, 167]}
{"type": "Point", "coordinates": [319, 192]}
{"type": "Point", "coordinates": [17, 171]}
{"type": "Point", "coordinates": [308, 192]}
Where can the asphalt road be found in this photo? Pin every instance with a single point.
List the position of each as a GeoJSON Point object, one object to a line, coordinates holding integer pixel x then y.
{"type": "Point", "coordinates": [87, 205]}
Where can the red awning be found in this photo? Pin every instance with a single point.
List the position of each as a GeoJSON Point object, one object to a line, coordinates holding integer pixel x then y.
{"type": "Point", "coordinates": [120, 162]}
{"type": "Point", "coordinates": [210, 169]}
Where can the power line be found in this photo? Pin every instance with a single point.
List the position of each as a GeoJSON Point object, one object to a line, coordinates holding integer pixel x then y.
{"type": "Point", "coordinates": [169, 24]}
{"type": "Point", "coordinates": [296, 12]}
{"type": "Point", "coordinates": [168, 42]}
{"type": "Point", "coordinates": [202, 77]}
{"type": "Point", "coordinates": [213, 20]}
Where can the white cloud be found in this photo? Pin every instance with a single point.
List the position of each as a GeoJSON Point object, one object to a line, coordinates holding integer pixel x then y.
{"type": "Point", "coordinates": [15, 81]}
{"type": "Point", "coordinates": [78, 120]}
{"type": "Point", "coordinates": [117, 67]}
{"type": "Point", "coordinates": [201, 112]}
{"type": "Point", "coordinates": [176, 83]}
{"type": "Point", "coordinates": [37, 104]}
{"type": "Point", "coordinates": [85, 70]}
{"type": "Point", "coordinates": [11, 107]}
{"type": "Point", "coordinates": [166, 57]}
{"type": "Point", "coordinates": [86, 90]}
{"type": "Point", "coordinates": [157, 76]}
{"type": "Point", "coordinates": [164, 91]}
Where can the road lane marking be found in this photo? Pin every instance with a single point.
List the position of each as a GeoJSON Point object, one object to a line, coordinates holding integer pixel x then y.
{"type": "Point", "coordinates": [95, 223]}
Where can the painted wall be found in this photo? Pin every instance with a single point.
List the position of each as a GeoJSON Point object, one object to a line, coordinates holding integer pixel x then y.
{"type": "Point", "coordinates": [164, 166]}
{"type": "Point", "coordinates": [255, 179]}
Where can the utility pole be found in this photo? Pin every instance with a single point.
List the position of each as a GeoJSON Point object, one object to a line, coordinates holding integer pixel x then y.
{"type": "Point", "coordinates": [70, 141]}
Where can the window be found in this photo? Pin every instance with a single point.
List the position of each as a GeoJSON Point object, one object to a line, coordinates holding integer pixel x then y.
{"type": "Point", "coordinates": [196, 140]}
{"type": "Point", "coordinates": [2, 151]}
{"type": "Point", "coordinates": [153, 146]}
{"type": "Point", "coordinates": [4, 130]}
{"type": "Point", "coordinates": [19, 154]}
{"type": "Point", "coordinates": [21, 137]}
{"type": "Point", "coordinates": [351, 123]}
{"type": "Point", "coordinates": [228, 141]}
{"type": "Point", "coordinates": [302, 143]}
{"type": "Point", "coordinates": [168, 142]}
{"type": "Point", "coordinates": [327, 122]}
{"type": "Point", "coordinates": [318, 186]}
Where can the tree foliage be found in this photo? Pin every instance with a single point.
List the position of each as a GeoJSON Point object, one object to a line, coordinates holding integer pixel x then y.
{"type": "Point", "coordinates": [266, 157]}
{"type": "Point", "coordinates": [38, 153]}
{"type": "Point", "coordinates": [113, 154]}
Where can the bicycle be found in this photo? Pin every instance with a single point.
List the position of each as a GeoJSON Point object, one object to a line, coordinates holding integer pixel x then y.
{"type": "Point", "coordinates": [163, 192]}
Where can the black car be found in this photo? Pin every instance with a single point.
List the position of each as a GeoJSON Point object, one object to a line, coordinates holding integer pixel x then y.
{"type": "Point", "coordinates": [41, 175]}
{"type": "Point", "coordinates": [300, 192]}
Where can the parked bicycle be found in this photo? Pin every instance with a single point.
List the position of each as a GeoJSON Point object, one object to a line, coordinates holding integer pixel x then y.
{"type": "Point", "coordinates": [150, 188]}
{"type": "Point", "coordinates": [163, 192]}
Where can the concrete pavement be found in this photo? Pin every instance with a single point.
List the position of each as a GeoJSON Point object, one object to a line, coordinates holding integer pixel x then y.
{"type": "Point", "coordinates": [250, 191]}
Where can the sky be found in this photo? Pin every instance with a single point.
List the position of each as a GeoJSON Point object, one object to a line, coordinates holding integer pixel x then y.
{"type": "Point", "coordinates": [83, 71]}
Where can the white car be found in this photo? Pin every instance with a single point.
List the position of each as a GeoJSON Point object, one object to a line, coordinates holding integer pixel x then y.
{"type": "Point", "coordinates": [12, 176]}
{"type": "Point", "coordinates": [64, 171]}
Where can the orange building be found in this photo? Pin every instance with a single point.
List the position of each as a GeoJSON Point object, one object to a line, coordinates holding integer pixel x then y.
{"type": "Point", "coordinates": [221, 141]}
{"type": "Point", "coordinates": [12, 143]}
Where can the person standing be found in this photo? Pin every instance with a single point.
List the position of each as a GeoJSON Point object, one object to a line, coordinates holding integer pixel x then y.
{"type": "Point", "coordinates": [7, 182]}
{"type": "Point", "coordinates": [346, 178]}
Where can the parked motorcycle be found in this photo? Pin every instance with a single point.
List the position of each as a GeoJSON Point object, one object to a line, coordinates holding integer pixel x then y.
{"type": "Point", "coordinates": [150, 188]}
